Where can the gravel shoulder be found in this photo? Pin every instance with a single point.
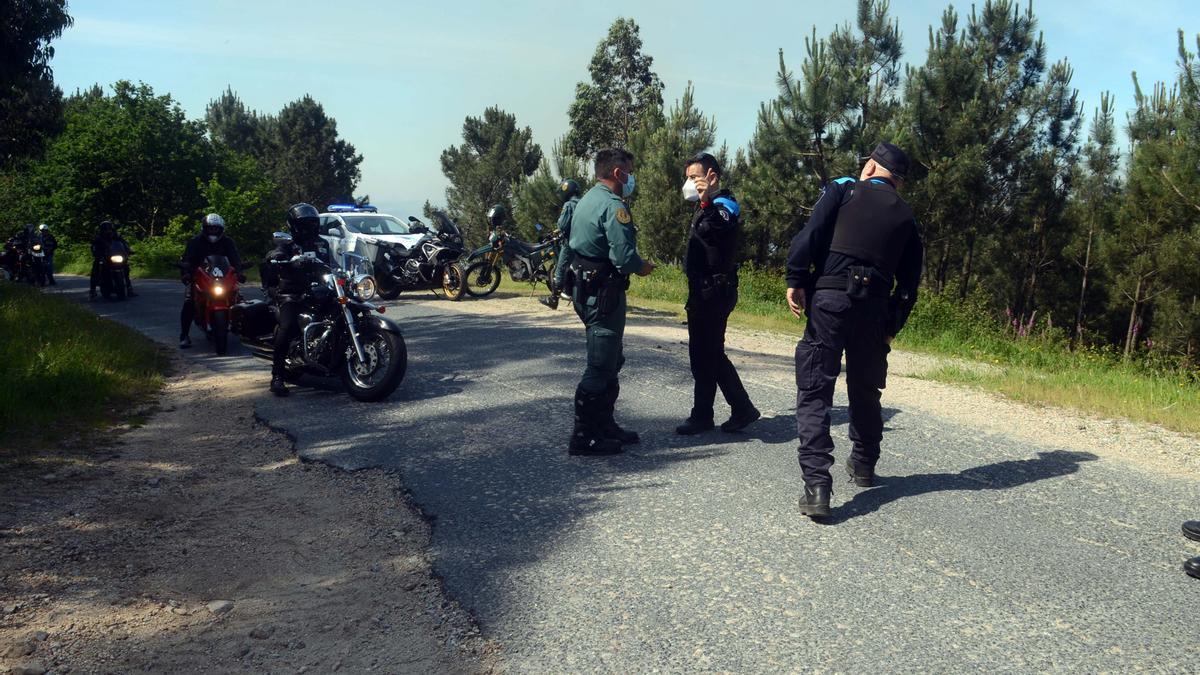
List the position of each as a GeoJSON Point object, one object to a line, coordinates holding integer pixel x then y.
{"type": "Point", "coordinates": [1150, 446]}
{"type": "Point", "coordinates": [199, 543]}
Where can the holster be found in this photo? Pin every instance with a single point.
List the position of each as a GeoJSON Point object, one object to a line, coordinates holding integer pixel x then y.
{"type": "Point", "coordinates": [858, 282]}
{"type": "Point", "coordinates": [717, 286]}
{"type": "Point", "coordinates": [595, 278]}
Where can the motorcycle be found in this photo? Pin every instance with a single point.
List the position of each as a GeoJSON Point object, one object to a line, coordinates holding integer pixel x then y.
{"type": "Point", "coordinates": [525, 261]}
{"type": "Point", "coordinates": [114, 271]}
{"type": "Point", "coordinates": [214, 291]}
{"type": "Point", "coordinates": [38, 271]}
{"type": "Point", "coordinates": [340, 333]}
{"type": "Point", "coordinates": [15, 259]}
{"type": "Point", "coordinates": [430, 264]}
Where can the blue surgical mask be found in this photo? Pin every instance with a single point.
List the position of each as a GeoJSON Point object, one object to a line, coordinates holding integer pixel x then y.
{"type": "Point", "coordinates": [630, 184]}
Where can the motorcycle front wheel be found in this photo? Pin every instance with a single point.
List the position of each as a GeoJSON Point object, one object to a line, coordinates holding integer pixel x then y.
{"type": "Point", "coordinates": [384, 368]}
{"type": "Point", "coordinates": [452, 281]}
{"type": "Point", "coordinates": [481, 279]}
{"type": "Point", "coordinates": [220, 331]}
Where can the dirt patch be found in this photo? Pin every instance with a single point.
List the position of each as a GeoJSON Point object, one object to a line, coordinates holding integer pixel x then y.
{"type": "Point", "coordinates": [198, 543]}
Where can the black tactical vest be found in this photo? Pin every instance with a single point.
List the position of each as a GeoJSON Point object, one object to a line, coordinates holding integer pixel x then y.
{"type": "Point", "coordinates": [873, 226]}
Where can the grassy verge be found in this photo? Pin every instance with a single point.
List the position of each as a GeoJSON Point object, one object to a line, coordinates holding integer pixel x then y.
{"type": "Point", "coordinates": [65, 369]}
{"type": "Point", "coordinates": [1036, 369]}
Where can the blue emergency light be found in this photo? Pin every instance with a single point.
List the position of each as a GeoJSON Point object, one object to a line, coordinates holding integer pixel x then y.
{"type": "Point", "coordinates": [352, 208]}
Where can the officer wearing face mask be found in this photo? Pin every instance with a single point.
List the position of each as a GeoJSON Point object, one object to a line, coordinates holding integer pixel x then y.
{"type": "Point", "coordinates": [710, 265]}
{"type": "Point", "coordinates": [210, 241]}
{"type": "Point", "coordinates": [604, 242]}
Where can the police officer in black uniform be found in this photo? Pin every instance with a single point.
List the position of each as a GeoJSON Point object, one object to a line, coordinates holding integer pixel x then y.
{"type": "Point", "coordinates": [287, 281]}
{"type": "Point", "coordinates": [210, 241]}
{"type": "Point", "coordinates": [854, 270]}
{"type": "Point", "coordinates": [710, 265]}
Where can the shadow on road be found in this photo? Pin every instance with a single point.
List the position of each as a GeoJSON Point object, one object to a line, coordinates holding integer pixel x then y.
{"type": "Point", "coordinates": [998, 476]}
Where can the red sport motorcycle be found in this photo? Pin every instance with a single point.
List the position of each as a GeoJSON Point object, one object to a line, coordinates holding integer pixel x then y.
{"type": "Point", "coordinates": [215, 290]}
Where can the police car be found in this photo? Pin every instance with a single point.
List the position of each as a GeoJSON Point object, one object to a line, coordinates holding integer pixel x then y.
{"type": "Point", "coordinates": [348, 226]}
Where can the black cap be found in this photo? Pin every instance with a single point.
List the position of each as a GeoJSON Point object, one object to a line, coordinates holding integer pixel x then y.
{"type": "Point", "coordinates": [892, 158]}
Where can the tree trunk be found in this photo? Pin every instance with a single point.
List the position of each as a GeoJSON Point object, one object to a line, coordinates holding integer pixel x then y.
{"type": "Point", "coordinates": [1130, 336]}
{"type": "Point", "coordinates": [964, 282]}
{"type": "Point", "coordinates": [1087, 264]}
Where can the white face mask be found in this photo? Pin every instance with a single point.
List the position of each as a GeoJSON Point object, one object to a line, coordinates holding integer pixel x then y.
{"type": "Point", "coordinates": [690, 193]}
{"type": "Point", "coordinates": [213, 238]}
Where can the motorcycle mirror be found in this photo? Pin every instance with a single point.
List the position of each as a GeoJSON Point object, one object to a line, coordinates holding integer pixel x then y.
{"type": "Point", "coordinates": [412, 219]}
{"type": "Point", "coordinates": [281, 237]}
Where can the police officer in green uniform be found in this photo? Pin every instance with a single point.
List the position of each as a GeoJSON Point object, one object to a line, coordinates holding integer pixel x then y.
{"type": "Point", "coordinates": [604, 244]}
{"type": "Point", "coordinates": [568, 194]}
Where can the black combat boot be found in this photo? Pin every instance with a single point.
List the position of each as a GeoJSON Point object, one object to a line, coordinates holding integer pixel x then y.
{"type": "Point", "coordinates": [610, 428]}
{"type": "Point", "coordinates": [814, 503]}
{"type": "Point", "coordinates": [692, 426]}
{"type": "Point", "coordinates": [278, 385]}
{"type": "Point", "coordinates": [860, 474]}
{"type": "Point", "coordinates": [1191, 530]}
{"type": "Point", "coordinates": [587, 438]}
{"type": "Point", "coordinates": [740, 419]}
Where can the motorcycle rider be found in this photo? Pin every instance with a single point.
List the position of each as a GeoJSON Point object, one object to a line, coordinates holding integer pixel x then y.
{"type": "Point", "coordinates": [287, 281]}
{"type": "Point", "coordinates": [568, 194]}
{"type": "Point", "coordinates": [210, 241]}
{"type": "Point", "coordinates": [49, 246]}
{"type": "Point", "coordinates": [101, 245]}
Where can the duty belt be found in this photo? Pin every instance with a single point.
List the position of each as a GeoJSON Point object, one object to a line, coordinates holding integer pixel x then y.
{"type": "Point", "coordinates": [876, 288]}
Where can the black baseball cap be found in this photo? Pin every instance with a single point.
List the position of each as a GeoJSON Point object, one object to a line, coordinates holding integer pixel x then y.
{"type": "Point", "coordinates": [892, 158]}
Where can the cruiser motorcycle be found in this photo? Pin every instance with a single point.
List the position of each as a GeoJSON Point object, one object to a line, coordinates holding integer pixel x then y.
{"type": "Point", "coordinates": [430, 264]}
{"type": "Point", "coordinates": [341, 334]}
{"type": "Point", "coordinates": [525, 261]}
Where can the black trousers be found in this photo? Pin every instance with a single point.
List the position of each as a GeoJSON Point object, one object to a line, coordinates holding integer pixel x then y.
{"type": "Point", "coordinates": [187, 313]}
{"type": "Point", "coordinates": [711, 368]}
{"type": "Point", "coordinates": [289, 329]}
{"type": "Point", "coordinates": [838, 324]}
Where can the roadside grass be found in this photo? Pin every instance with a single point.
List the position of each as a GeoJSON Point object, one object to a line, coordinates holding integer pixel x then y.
{"type": "Point", "coordinates": [1037, 369]}
{"type": "Point", "coordinates": [65, 369]}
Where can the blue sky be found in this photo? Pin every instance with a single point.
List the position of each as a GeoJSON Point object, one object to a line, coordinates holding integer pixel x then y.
{"type": "Point", "coordinates": [399, 77]}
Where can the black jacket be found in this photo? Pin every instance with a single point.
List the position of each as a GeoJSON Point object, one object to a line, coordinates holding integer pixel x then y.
{"type": "Point", "coordinates": [712, 245]}
{"type": "Point", "coordinates": [810, 257]}
{"type": "Point", "coordinates": [293, 278]}
{"type": "Point", "coordinates": [101, 247]}
{"type": "Point", "coordinates": [199, 248]}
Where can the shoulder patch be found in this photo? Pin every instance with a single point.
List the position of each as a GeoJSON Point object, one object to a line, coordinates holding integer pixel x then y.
{"type": "Point", "coordinates": [843, 180]}
{"type": "Point", "coordinates": [730, 205]}
{"type": "Point", "coordinates": [623, 216]}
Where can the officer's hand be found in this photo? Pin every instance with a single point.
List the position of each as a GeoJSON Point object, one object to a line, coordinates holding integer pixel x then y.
{"type": "Point", "coordinates": [647, 268]}
{"type": "Point", "coordinates": [795, 300]}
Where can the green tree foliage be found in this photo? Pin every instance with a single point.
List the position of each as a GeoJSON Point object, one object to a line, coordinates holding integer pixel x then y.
{"type": "Point", "coordinates": [536, 200]}
{"type": "Point", "coordinates": [232, 125]}
{"type": "Point", "coordinates": [133, 157]}
{"type": "Point", "coordinates": [30, 103]}
{"type": "Point", "coordinates": [661, 147]}
{"type": "Point", "coordinates": [623, 89]}
{"type": "Point", "coordinates": [819, 125]}
{"type": "Point", "coordinates": [496, 155]}
{"type": "Point", "coordinates": [247, 197]}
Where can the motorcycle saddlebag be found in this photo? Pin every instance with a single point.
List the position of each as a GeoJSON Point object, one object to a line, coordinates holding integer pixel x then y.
{"type": "Point", "coordinates": [252, 319]}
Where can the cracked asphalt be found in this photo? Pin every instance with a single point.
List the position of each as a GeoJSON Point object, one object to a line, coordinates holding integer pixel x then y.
{"type": "Point", "coordinates": [979, 551]}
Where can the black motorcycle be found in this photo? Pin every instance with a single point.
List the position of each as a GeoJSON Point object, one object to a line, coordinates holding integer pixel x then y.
{"type": "Point", "coordinates": [525, 261]}
{"type": "Point", "coordinates": [430, 264]}
{"type": "Point", "coordinates": [341, 335]}
{"type": "Point", "coordinates": [16, 259]}
{"type": "Point", "coordinates": [114, 270]}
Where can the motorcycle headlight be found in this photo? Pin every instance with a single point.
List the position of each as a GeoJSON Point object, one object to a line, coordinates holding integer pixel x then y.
{"type": "Point", "coordinates": [218, 289]}
{"type": "Point", "coordinates": [117, 259]}
{"type": "Point", "coordinates": [37, 247]}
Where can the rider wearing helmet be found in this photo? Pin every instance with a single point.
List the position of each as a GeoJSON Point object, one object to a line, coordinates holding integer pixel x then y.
{"type": "Point", "coordinates": [568, 196]}
{"type": "Point", "coordinates": [101, 245]}
{"type": "Point", "coordinates": [49, 245]}
{"type": "Point", "coordinates": [288, 282]}
{"type": "Point", "coordinates": [210, 241]}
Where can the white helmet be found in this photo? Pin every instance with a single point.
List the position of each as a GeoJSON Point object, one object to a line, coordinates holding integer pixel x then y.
{"type": "Point", "coordinates": [43, 227]}
{"type": "Point", "coordinates": [213, 227]}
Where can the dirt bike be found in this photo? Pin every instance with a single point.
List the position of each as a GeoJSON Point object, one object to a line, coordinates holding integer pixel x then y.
{"type": "Point", "coordinates": [214, 287]}
{"type": "Point", "coordinates": [341, 335]}
{"type": "Point", "coordinates": [525, 261]}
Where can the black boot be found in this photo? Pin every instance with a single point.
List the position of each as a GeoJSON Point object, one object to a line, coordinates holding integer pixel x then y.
{"type": "Point", "coordinates": [551, 300]}
{"type": "Point", "coordinates": [609, 427]}
{"type": "Point", "coordinates": [1192, 567]}
{"type": "Point", "coordinates": [860, 474]}
{"type": "Point", "coordinates": [1191, 530]}
{"type": "Point", "coordinates": [740, 419]}
{"type": "Point", "coordinates": [278, 386]}
{"type": "Point", "coordinates": [692, 426]}
{"type": "Point", "coordinates": [815, 501]}
{"type": "Point", "coordinates": [587, 438]}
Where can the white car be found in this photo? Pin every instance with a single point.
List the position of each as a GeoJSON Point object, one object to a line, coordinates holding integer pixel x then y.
{"type": "Point", "coordinates": [347, 228]}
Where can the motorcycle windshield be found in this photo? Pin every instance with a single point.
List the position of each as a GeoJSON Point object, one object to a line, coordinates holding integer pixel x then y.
{"type": "Point", "coordinates": [443, 224]}
{"type": "Point", "coordinates": [118, 247]}
{"type": "Point", "coordinates": [217, 262]}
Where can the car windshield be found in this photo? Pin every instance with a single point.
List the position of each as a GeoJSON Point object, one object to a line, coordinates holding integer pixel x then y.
{"type": "Point", "coordinates": [372, 224]}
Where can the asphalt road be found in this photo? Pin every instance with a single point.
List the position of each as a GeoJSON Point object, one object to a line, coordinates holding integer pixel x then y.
{"type": "Point", "coordinates": [978, 552]}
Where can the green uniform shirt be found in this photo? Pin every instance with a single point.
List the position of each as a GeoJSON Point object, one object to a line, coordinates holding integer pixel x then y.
{"type": "Point", "coordinates": [602, 227]}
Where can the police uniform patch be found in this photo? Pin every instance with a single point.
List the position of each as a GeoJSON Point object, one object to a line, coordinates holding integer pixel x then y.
{"type": "Point", "coordinates": [623, 216]}
{"type": "Point", "coordinates": [724, 213]}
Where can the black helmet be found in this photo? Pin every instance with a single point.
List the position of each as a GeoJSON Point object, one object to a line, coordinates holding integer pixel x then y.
{"type": "Point", "coordinates": [496, 216]}
{"type": "Point", "coordinates": [107, 227]}
{"type": "Point", "coordinates": [304, 221]}
{"type": "Point", "coordinates": [567, 189]}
